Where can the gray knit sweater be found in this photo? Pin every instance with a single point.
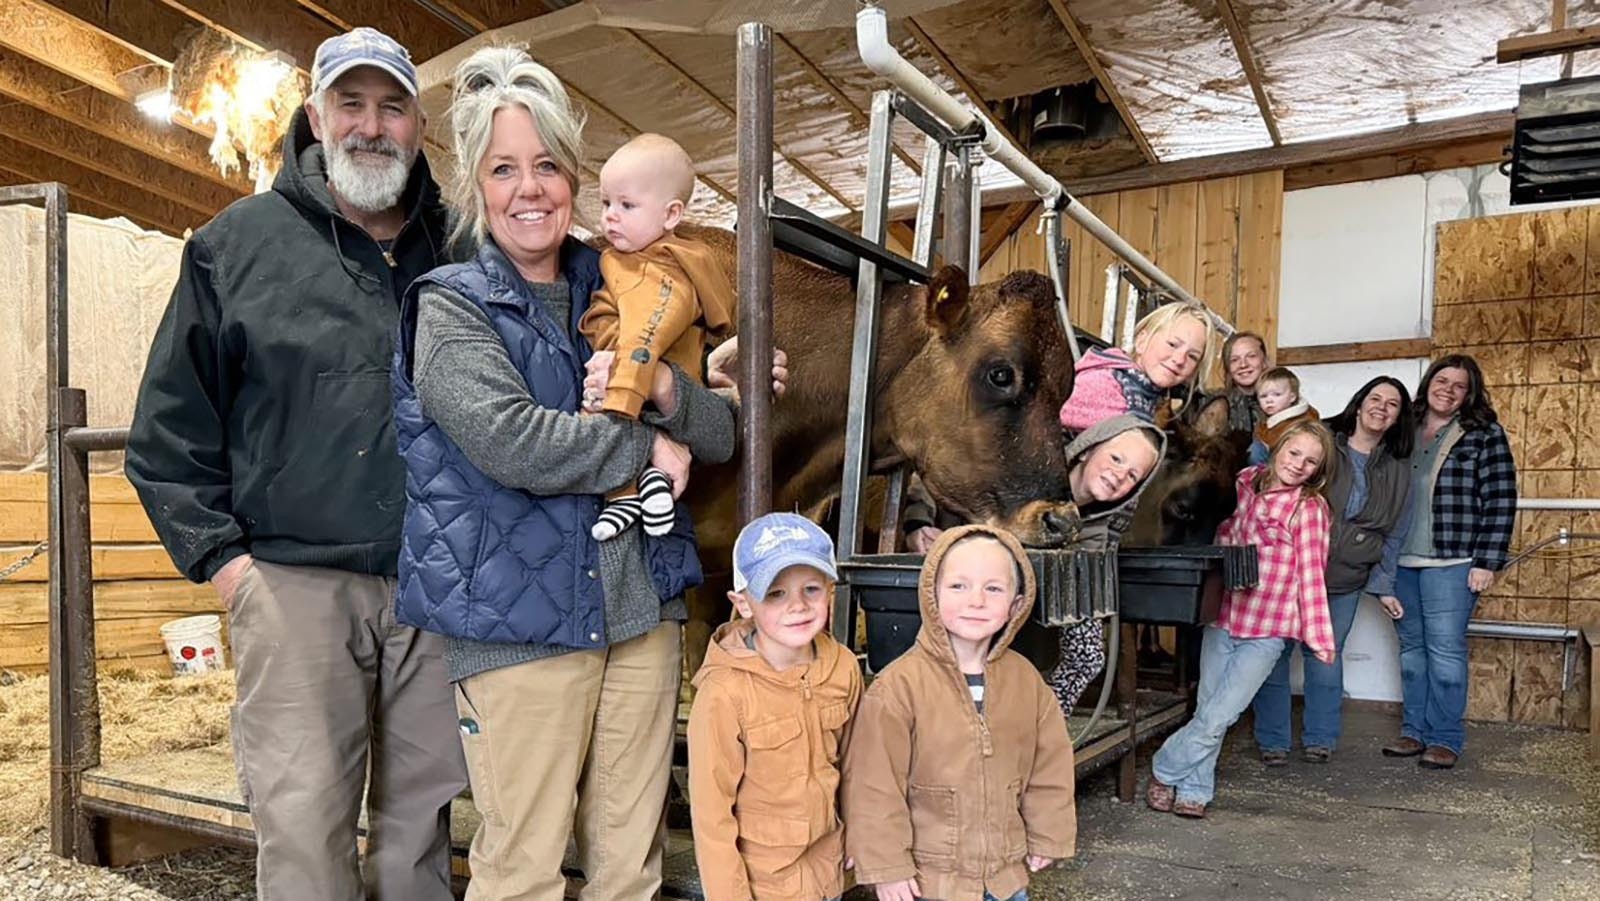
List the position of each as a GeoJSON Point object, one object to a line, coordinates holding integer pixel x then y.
{"type": "Point", "coordinates": [466, 383]}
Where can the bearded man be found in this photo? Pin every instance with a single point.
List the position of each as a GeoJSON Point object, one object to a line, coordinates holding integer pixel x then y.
{"type": "Point", "coordinates": [263, 451]}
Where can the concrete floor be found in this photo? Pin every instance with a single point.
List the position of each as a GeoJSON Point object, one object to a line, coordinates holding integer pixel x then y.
{"type": "Point", "coordinates": [1518, 818]}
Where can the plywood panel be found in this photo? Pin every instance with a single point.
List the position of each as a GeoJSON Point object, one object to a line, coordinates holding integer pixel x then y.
{"type": "Point", "coordinates": [1575, 701]}
{"type": "Point", "coordinates": [1260, 249]}
{"type": "Point", "coordinates": [1490, 662]}
{"type": "Point", "coordinates": [1502, 364]}
{"type": "Point", "coordinates": [1560, 252]}
{"type": "Point", "coordinates": [1560, 361]}
{"type": "Point", "coordinates": [1461, 324]}
{"type": "Point", "coordinates": [1551, 440]}
{"type": "Point", "coordinates": [1511, 406]}
{"type": "Point", "coordinates": [1556, 318]}
{"type": "Point", "coordinates": [1498, 603]}
{"type": "Point", "coordinates": [1536, 696]}
{"type": "Point", "coordinates": [1585, 582]}
{"type": "Point", "coordinates": [1547, 611]}
{"type": "Point", "coordinates": [1484, 259]}
{"type": "Point", "coordinates": [1136, 219]}
{"type": "Point", "coordinates": [1592, 262]}
{"type": "Point", "coordinates": [1547, 574]}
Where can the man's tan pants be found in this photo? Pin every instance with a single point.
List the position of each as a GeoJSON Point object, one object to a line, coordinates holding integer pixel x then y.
{"type": "Point", "coordinates": [577, 745]}
{"type": "Point", "coordinates": [330, 685]}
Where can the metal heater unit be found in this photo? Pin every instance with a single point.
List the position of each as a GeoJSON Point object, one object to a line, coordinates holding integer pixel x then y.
{"type": "Point", "coordinates": [1555, 145]}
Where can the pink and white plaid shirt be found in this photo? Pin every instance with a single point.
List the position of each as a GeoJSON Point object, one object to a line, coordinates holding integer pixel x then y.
{"type": "Point", "coordinates": [1290, 532]}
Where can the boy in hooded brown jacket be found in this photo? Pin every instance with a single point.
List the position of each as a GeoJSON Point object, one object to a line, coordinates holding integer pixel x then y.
{"type": "Point", "coordinates": [959, 779]}
{"type": "Point", "coordinates": [776, 694]}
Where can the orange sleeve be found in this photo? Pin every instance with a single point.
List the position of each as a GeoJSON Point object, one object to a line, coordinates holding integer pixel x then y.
{"type": "Point", "coordinates": [655, 306]}
{"type": "Point", "coordinates": [716, 765]}
{"type": "Point", "coordinates": [599, 322]}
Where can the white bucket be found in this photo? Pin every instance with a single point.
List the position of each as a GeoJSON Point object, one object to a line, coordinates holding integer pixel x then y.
{"type": "Point", "coordinates": [194, 644]}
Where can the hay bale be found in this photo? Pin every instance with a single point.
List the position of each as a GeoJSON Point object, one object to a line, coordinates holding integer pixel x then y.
{"type": "Point", "coordinates": [142, 714]}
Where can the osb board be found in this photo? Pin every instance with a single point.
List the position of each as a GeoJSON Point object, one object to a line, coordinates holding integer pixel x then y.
{"type": "Point", "coordinates": [1488, 322]}
{"type": "Point", "coordinates": [1547, 574]}
{"type": "Point", "coordinates": [1560, 252]}
{"type": "Point", "coordinates": [1502, 364]}
{"type": "Point", "coordinates": [1550, 439]}
{"type": "Point", "coordinates": [1484, 259]}
{"type": "Point", "coordinates": [1221, 239]}
{"type": "Point", "coordinates": [1555, 318]}
{"type": "Point", "coordinates": [1490, 662]}
{"type": "Point", "coordinates": [1585, 582]}
{"type": "Point", "coordinates": [1536, 676]}
{"type": "Point", "coordinates": [1562, 361]}
{"type": "Point", "coordinates": [1575, 701]}
{"type": "Point", "coordinates": [1588, 428]}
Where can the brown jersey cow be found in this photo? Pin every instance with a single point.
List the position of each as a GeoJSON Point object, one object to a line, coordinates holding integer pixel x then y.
{"type": "Point", "coordinates": [969, 385]}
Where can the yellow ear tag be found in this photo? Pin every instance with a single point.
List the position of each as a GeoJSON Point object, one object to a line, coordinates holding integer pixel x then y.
{"type": "Point", "coordinates": [943, 295]}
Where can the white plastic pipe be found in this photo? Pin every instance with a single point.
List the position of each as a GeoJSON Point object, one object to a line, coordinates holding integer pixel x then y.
{"type": "Point", "coordinates": [872, 42]}
{"type": "Point", "coordinates": [1558, 503]}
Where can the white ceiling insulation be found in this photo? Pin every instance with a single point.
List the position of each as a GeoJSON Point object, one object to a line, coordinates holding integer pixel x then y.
{"type": "Point", "coordinates": [1329, 67]}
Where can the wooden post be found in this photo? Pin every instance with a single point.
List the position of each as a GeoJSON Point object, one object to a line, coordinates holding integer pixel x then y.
{"type": "Point", "coordinates": [754, 101]}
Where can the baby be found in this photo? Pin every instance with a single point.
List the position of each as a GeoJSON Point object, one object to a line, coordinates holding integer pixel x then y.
{"type": "Point", "coordinates": [1278, 393]}
{"type": "Point", "coordinates": [665, 296]}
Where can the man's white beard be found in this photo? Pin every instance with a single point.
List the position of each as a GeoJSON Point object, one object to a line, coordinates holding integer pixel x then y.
{"type": "Point", "coordinates": [371, 187]}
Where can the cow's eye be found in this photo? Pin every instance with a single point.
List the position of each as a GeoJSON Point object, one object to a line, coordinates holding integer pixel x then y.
{"type": "Point", "coordinates": [1002, 377]}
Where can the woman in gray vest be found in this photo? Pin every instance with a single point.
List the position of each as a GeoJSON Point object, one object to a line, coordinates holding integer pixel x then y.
{"type": "Point", "coordinates": [1368, 488]}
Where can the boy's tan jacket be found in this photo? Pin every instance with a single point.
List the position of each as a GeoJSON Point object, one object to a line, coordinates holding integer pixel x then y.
{"type": "Point", "coordinates": [936, 792]}
{"type": "Point", "coordinates": [764, 770]}
{"type": "Point", "coordinates": [660, 303]}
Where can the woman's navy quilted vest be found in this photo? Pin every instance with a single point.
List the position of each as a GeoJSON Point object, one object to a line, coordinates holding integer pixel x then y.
{"type": "Point", "coordinates": [485, 562]}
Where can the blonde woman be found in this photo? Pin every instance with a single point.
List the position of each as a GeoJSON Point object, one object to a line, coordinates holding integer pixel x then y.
{"type": "Point", "coordinates": [564, 652]}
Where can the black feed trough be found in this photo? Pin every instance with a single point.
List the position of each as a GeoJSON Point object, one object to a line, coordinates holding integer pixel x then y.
{"type": "Point", "coordinates": [1171, 586]}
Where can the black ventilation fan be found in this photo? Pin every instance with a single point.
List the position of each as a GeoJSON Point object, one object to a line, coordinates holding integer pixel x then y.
{"type": "Point", "coordinates": [1555, 144]}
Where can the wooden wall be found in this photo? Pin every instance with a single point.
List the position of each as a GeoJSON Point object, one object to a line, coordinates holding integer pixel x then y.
{"type": "Point", "coordinates": [1521, 293]}
{"type": "Point", "coordinates": [136, 587]}
{"type": "Point", "coordinates": [1219, 238]}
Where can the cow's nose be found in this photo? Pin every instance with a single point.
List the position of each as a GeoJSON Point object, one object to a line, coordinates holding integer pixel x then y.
{"type": "Point", "coordinates": [1056, 526]}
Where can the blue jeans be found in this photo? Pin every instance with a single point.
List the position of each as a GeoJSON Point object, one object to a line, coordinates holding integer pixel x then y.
{"type": "Point", "coordinates": [1324, 689]}
{"type": "Point", "coordinates": [1231, 671]}
{"type": "Point", "coordinates": [1433, 652]}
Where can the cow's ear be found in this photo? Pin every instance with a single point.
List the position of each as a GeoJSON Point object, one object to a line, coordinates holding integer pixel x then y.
{"type": "Point", "coordinates": [1213, 417]}
{"type": "Point", "coordinates": [947, 301]}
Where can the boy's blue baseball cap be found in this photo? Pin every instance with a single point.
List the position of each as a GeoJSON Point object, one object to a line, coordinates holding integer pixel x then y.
{"type": "Point", "coordinates": [774, 542]}
{"type": "Point", "coordinates": [362, 47]}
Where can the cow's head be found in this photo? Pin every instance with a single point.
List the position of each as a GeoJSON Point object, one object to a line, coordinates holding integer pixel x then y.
{"type": "Point", "coordinates": [976, 410]}
{"type": "Point", "coordinates": [1194, 490]}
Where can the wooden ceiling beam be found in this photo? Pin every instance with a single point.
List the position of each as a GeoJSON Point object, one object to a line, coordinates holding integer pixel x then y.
{"type": "Point", "coordinates": [262, 25]}
{"type": "Point", "coordinates": [962, 81]}
{"type": "Point", "coordinates": [858, 116]}
{"type": "Point", "coordinates": [711, 97]}
{"type": "Point", "coordinates": [1252, 72]}
{"type": "Point", "coordinates": [1080, 39]}
{"type": "Point", "coordinates": [147, 27]}
{"type": "Point", "coordinates": [1547, 43]}
{"type": "Point", "coordinates": [47, 134]}
{"type": "Point", "coordinates": [423, 34]}
{"type": "Point", "coordinates": [111, 117]}
{"type": "Point", "coordinates": [1406, 139]}
{"type": "Point", "coordinates": [54, 39]}
{"type": "Point", "coordinates": [77, 203]}
{"type": "Point", "coordinates": [37, 165]}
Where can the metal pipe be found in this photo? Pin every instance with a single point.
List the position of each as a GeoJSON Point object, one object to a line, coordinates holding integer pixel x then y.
{"type": "Point", "coordinates": [928, 201]}
{"type": "Point", "coordinates": [74, 691]}
{"type": "Point", "coordinates": [872, 42]}
{"type": "Point", "coordinates": [1488, 628]}
{"type": "Point", "coordinates": [754, 239]}
{"type": "Point", "coordinates": [1558, 503]}
{"type": "Point", "coordinates": [1057, 260]}
{"type": "Point", "coordinates": [97, 439]}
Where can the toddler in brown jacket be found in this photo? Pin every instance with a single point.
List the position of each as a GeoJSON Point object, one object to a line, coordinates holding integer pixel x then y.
{"type": "Point", "coordinates": [776, 694]}
{"type": "Point", "coordinates": [664, 296]}
{"type": "Point", "coordinates": [959, 779]}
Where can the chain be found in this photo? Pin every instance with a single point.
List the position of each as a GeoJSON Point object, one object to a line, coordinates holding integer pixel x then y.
{"type": "Point", "coordinates": [17, 565]}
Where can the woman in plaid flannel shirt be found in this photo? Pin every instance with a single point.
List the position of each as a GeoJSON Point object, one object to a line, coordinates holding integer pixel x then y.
{"type": "Point", "coordinates": [1282, 513]}
{"type": "Point", "coordinates": [1464, 501]}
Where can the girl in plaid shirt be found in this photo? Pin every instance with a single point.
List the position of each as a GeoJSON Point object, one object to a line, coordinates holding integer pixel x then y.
{"type": "Point", "coordinates": [1283, 514]}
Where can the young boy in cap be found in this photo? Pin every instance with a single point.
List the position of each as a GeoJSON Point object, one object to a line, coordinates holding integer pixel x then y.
{"type": "Point", "coordinates": [959, 779]}
{"type": "Point", "coordinates": [776, 694]}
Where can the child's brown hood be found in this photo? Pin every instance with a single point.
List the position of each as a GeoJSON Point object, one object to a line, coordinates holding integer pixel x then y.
{"type": "Point", "coordinates": [729, 649]}
{"type": "Point", "coordinates": [932, 636]}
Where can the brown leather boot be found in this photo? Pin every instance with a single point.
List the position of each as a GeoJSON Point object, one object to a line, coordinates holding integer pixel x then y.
{"type": "Point", "coordinates": [1438, 758]}
{"type": "Point", "coordinates": [1404, 746]}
